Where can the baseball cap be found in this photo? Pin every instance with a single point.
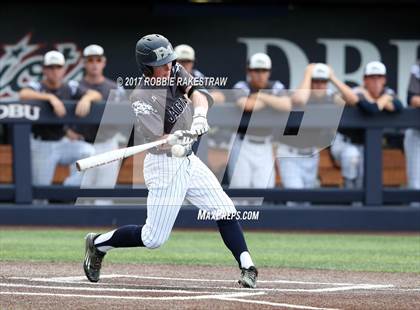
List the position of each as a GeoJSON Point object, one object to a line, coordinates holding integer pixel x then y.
{"type": "Point", "coordinates": [93, 50]}
{"type": "Point", "coordinates": [54, 58]}
{"type": "Point", "coordinates": [259, 61]}
{"type": "Point", "coordinates": [375, 68]}
{"type": "Point", "coordinates": [320, 71]}
{"type": "Point", "coordinates": [185, 52]}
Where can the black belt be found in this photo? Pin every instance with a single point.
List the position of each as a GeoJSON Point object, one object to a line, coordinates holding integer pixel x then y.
{"type": "Point", "coordinates": [256, 141]}
{"type": "Point", "coordinates": [45, 138]}
{"type": "Point", "coordinates": [299, 151]}
{"type": "Point", "coordinates": [305, 152]}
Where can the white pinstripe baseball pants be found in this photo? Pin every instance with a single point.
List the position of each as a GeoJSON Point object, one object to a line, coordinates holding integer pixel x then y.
{"type": "Point", "coordinates": [170, 180]}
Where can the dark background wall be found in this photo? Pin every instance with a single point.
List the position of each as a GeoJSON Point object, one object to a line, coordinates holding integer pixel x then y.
{"type": "Point", "coordinates": [212, 30]}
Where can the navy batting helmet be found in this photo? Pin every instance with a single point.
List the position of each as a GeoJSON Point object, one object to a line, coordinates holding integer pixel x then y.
{"type": "Point", "coordinates": [153, 50]}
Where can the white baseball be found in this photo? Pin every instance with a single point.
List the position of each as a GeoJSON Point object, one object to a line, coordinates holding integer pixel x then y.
{"type": "Point", "coordinates": [178, 150]}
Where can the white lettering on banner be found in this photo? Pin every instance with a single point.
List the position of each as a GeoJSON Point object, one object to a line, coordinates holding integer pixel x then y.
{"type": "Point", "coordinates": [3, 111]}
{"type": "Point", "coordinates": [336, 57]}
{"type": "Point", "coordinates": [407, 56]}
{"type": "Point", "coordinates": [21, 63]}
{"type": "Point", "coordinates": [296, 57]}
{"type": "Point", "coordinates": [19, 111]}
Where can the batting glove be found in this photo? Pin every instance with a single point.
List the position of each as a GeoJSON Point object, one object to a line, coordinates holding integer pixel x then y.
{"type": "Point", "coordinates": [199, 125]}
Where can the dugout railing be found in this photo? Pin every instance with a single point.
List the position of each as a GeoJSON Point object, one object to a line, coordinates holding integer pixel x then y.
{"type": "Point", "coordinates": [19, 119]}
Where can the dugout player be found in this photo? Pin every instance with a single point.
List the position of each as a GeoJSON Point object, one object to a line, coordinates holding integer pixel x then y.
{"type": "Point", "coordinates": [186, 57]}
{"type": "Point", "coordinates": [180, 109]}
{"type": "Point", "coordinates": [412, 136]}
{"type": "Point", "coordinates": [49, 145]}
{"type": "Point", "coordinates": [252, 162]}
{"type": "Point", "coordinates": [94, 64]}
{"type": "Point", "coordinates": [373, 97]}
{"type": "Point", "coordinates": [299, 166]}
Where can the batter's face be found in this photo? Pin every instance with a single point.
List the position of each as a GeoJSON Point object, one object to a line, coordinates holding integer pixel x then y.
{"type": "Point", "coordinates": [375, 84]}
{"type": "Point", "coordinates": [163, 71]}
{"type": "Point", "coordinates": [187, 64]}
{"type": "Point", "coordinates": [258, 78]}
{"type": "Point", "coordinates": [53, 74]}
{"type": "Point", "coordinates": [94, 65]}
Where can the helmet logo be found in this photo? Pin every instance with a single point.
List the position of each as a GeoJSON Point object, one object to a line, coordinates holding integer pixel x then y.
{"type": "Point", "coordinates": [163, 52]}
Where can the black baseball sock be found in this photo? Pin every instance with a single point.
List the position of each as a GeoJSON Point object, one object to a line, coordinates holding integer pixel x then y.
{"type": "Point", "coordinates": [233, 237]}
{"type": "Point", "coordinates": [122, 237]}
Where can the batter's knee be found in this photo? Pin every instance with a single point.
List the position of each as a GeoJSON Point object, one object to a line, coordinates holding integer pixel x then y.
{"type": "Point", "coordinates": [223, 208]}
{"type": "Point", "coordinates": [228, 206]}
{"type": "Point", "coordinates": [154, 240]}
{"type": "Point", "coordinates": [154, 243]}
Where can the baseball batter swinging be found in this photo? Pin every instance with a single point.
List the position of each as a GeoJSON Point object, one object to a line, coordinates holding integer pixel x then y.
{"type": "Point", "coordinates": [180, 110]}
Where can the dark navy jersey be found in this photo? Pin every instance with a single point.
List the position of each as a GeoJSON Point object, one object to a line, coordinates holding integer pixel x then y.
{"type": "Point", "coordinates": [67, 91]}
{"type": "Point", "coordinates": [89, 131]}
{"type": "Point", "coordinates": [162, 110]}
{"type": "Point", "coordinates": [386, 91]}
{"type": "Point", "coordinates": [357, 135]}
{"type": "Point", "coordinates": [103, 88]}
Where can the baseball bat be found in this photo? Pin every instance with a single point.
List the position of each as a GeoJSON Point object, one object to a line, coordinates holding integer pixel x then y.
{"type": "Point", "coordinates": [110, 156]}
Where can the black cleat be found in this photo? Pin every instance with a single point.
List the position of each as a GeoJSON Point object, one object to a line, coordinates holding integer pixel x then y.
{"type": "Point", "coordinates": [93, 259]}
{"type": "Point", "coordinates": [248, 277]}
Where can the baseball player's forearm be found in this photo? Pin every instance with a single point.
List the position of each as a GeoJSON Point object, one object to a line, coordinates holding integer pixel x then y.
{"type": "Point", "coordinates": [200, 102]}
{"type": "Point", "coordinates": [251, 103]}
{"type": "Point", "coordinates": [30, 94]}
{"type": "Point", "coordinates": [303, 92]}
{"type": "Point", "coordinates": [92, 95]}
{"type": "Point", "coordinates": [393, 105]}
{"type": "Point", "coordinates": [415, 101]}
{"type": "Point", "coordinates": [84, 104]}
{"type": "Point", "coordinates": [218, 96]}
{"type": "Point", "coordinates": [389, 103]}
{"type": "Point", "coordinates": [348, 95]}
{"type": "Point", "coordinates": [283, 103]}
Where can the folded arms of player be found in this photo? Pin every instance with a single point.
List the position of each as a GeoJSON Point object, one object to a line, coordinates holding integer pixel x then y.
{"type": "Point", "coordinates": [57, 104]}
{"type": "Point", "coordinates": [386, 102]}
{"type": "Point", "coordinates": [82, 107]}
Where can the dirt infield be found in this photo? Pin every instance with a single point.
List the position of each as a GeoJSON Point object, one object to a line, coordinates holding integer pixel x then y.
{"type": "Point", "coordinates": [60, 285]}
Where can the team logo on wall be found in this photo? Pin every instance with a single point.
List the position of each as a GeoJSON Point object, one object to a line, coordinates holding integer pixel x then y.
{"type": "Point", "coordinates": [21, 63]}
